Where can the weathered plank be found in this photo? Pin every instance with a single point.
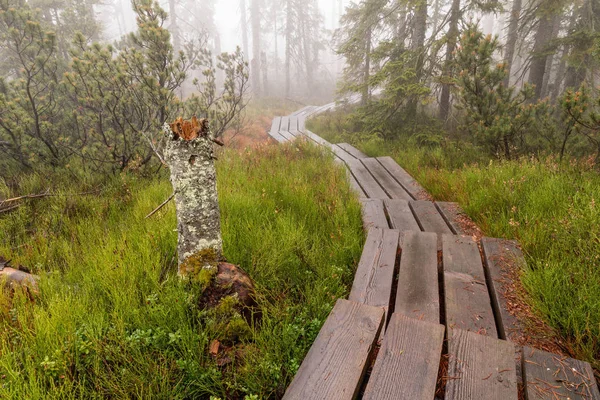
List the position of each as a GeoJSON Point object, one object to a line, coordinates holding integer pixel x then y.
{"type": "Point", "coordinates": [500, 257]}
{"type": "Point", "coordinates": [468, 304]}
{"type": "Point", "coordinates": [293, 127]}
{"type": "Point", "coordinates": [408, 361]}
{"type": "Point", "coordinates": [401, 217]}
{"type": "Point", "coordinates": [480, 367]}
{"type": "Point", "coordinates": [373, 214]}
{"type": "Point", "coordinates": [366, 180]}
{"type": "Point", "coordinates": [387, 182]}
{"type": "Point", "coordinates": [335, 364]}
{"type": "Point", "coordinates": [352, 150]}
{"type": "Point", "coordinates": [411, 185]}
{"type": "Point", "coordinates": [316, 138]}
{"type": "Point", "coordinates": [550, 376]}
{"type": "Point", "coordinates": [274, 132]}
{"type": "Point", "coordinates": [342, 154]}
{"type": "Point", "coordinates": [284, 129]}
{"type": "Point", "coordinates": [418, 293]}
{"type": "Point", "coordinates": [375, 273]}
{"type": "Point", "coordinates": [301, 124]}
{"type": "Point", "coordinates": [429, 217]}
{"type": "Point", "coordinates": [451, 213]}
{"type": "Point", "coordinates": [301, 111]}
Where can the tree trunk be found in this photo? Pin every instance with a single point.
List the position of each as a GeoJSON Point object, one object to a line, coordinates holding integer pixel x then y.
{"type": "Point", "coordinates": [550, 58]}
{"type": "Point", "coordinates": [189, 155]}
{"type": "Point", "coordinates": [174, 28]}
{"type": "Point", "coordinates": [511, 38]}
{"type": "Point", "coordinates": [255, 64]}
{"type": "Point", "coordinates": [288, 47]}
{"type": "Point", "coordinates": [419, 27]}
{"type": "Point", "coordinates": [452, 39]}
{"type": "Point", "coordinates": [537, 70]}
{"type": "Point", "coordinates": [367, 70]}
{"type": "Point", "coordinates": [244, 21]}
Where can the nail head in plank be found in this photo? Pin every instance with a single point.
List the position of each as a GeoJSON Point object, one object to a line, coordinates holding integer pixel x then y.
{"type": "Point", "coordinates": [352, 150]}
{"type": "Point", "coordinates": [387, 181]}
{"type": "Point", "coordinates": [418, 293]}
{"type": "Point", "coordinates": [366, 181]}
{"type": "Point", "coordinates": [407, 363]}
{"type": "Point", "coordinates": [480, 367]}
{"type": "Point", "coordinates": [336, 362]}
{"type": "Point", "coordinates": [550, 376]}
{"type": "Point", "coordinates": [373, 214]}
{"type": "Point", "coordinates": [468, 304]}
{"type": "Point", "coordinates": [408, 182]}
{"type": "Point", "coordinates": [502, 256]}
{"type": "Point", "coordinates": [375, 273]}
{"type": "Point", "coordinates": [401, 217]}
{"type": "Point", "coordinates": [429, 217]}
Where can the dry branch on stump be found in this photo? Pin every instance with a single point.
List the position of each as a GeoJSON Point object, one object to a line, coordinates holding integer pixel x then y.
{"type": "Point", "coordinates": [189, 155]}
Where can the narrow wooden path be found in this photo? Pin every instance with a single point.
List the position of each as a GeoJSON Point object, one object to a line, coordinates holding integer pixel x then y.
{"type": "Point", "coordinates": [426, 311]}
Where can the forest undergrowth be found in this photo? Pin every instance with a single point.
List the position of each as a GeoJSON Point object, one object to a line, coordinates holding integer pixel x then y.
{"type": "Point", "coordinates": [113, 320]}
{"type": "Point", "coordinates": [549, 206]}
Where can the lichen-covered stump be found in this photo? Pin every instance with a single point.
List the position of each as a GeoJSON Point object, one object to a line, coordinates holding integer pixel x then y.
{"type": "Point", "coordinates": [189, 154]}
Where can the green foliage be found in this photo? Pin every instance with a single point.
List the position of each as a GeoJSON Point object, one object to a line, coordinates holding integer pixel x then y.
{"type": "Point", "coordinates": [582, 114]}
{"type": "Point", "coordinates": [113, 320]}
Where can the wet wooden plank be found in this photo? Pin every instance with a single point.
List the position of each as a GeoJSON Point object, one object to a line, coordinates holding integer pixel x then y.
{"type": "Point", "coordinates": [353, 183]}
{"type": "Point", "coordinates": [468, 304]}
{"type": "Point", "coordinates": [502, 256]}
{"type": "Point", "coordinates": [387, 181]}
{"type": "Point", "coordinates": [418, 293]}
{"type": "Point", "coordinates": [451, 213]}
{"type": "Point", "coordinates": [335, 364]}
{"type": "Point", "coordinates": [549, 376]}
{"type": "Point", "coordinates": [352, 150]}
{"type": "Point", "coordinates": [480, 367]}
{"type": "Point", "coordinates": [408, 361]}
{"type": "Point", "coordinates": [401, 217]}
{"type": "Point", "coordinates": [375, 273]}
{"type": "Point", "coordinates": [366, 180]}
{"type": "Point", "coordinates": [373, 214]}
{"type": "Point", "coordinates": [342, 154]}
{"type": "Point", "coordinates": [407, 181]}
{"type": "Point", "coordinates": [429, 218]}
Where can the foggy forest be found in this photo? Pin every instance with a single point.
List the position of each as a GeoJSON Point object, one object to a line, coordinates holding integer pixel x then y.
{"type": "Point", "coordinates": [188, 189]}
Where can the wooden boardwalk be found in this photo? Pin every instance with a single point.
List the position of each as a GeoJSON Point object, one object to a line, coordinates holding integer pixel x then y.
{"type": "Point", "coordinates": [424, 296]}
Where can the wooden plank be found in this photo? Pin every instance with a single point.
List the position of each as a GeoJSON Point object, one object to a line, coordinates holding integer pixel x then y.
{"type": "Point", "coordinates": [275, 124]}
{"type": "Point", "coordinates": [468, 304]}
{"type": "Point", "coordinates": [429, 217]}
{"type": "Point", "coordinates": [284, 129]}
{"type": "Point", "coordinates": [300, 111]}
{"type": "Point", "coordinates": [317, 139]}
{"type": "Point", "coordinates": [412, 186]}
{"type": "Point", "coordinates": [293, 128]}
{"type": "Point", "coordinates": [336, 362]}
{"type": "Point", "coordinates": [501, 256]}
{"type": "Point", "coordinates": [451, 213]}
{"type": "Point", "coordinates": [373, 214]}
{"type": "Point", "coordinates": [352, 150]}
{"type": "Point", "coordinates": [480, 367]}
{"type": "Point", "coordinates": [366, 180]}
{"type": "Point", "coordinates": [418, 293]}
{"type": "Point", "coordinates": [375, 273]}
{"type": "Point", "coordinates": [353, 183]}
{"type": "Point", "coordinates": [550, 376]}
{"type": "Point", "coordinates": [408, 361]}
{"type": "Point", "coordinates": [387, 181]}
{"type": "Point", "coordinates": [342, 154]}
{"type": "Point", "coordinates": [301, 124]}
{"type": "Point", "coordinates": [401, 217]}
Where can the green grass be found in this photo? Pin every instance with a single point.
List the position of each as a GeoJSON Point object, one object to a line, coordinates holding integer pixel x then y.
{"type": "Point", "coordinates": [550, 208]}
{"type": "Point", "coordinates": [112, 320]}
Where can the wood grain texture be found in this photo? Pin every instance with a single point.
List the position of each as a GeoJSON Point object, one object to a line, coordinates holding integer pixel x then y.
{"type": "Point", "coordinates": [408, 182]}
{"type": "Point", "coordinates": [550, 376]}
{"type": "Point", "coordinates": [342, 154]}
{"type": "Point", "coordinates": [468, 304]}
{"type": "Point", "coordinates": [336, 362]}
{"type": "Point", "coordinates": [429, 218]}
{"type": "Point", "coordinates": [418, 293]}
{"type": "Point", "coordinates": [352, 150]}
{"type": "Point", "coordinates": [401, 217]}
{"type": "Point", "coordinates": [373, 214]}
{"type": "Point", "coordinates": [375, 273]}
{"type": "Point", "coordinates": [387, 181]}
{"type": "Point", "coordinates": [366, 180]}
{"type": "Point", "coordinates": [407, 363]}
{"type": "Point", "coordinates": [480, 367]}
{"type": "Point", "coordinates": [451, 213]}
{"type": "Point", "coordinates": [500, 257]}
{"type": "Point", "coordinates": [353, 183]}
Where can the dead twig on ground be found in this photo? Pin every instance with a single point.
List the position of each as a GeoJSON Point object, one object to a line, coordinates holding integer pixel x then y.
{"type": "Point", "coordinates": [164, 203]}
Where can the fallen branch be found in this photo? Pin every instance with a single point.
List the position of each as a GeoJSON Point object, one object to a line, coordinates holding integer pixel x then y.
{"type": "Point", "coordinates": [164, 203]}
{"type": "Point", "coordinates": [46, 194]}
{"type": "Point", "coordinates": [7, 209]}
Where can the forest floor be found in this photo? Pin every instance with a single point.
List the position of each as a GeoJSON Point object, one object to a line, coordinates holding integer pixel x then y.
{"type": "Point", "coordinates": [112, 320]}
{"type": "Point", "coordinates": [549, 207]}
